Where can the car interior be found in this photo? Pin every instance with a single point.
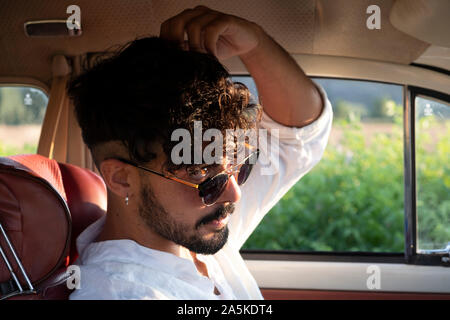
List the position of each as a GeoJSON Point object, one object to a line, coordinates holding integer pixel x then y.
{"type": "Point", "coordinates": [47, 198]}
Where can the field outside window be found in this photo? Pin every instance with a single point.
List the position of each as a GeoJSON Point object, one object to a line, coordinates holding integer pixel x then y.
{"type": "Point", "coordinates": [353, 199]}
{"type": "Point", "coordinates": [22, 111]}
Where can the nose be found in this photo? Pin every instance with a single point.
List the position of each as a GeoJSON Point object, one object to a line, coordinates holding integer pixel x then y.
{"type": "Point", "coordinates": [232, 192]}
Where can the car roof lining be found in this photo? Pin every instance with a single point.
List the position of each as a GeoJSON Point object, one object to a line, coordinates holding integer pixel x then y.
{"type": "Point", "coordinates": [319, 27]}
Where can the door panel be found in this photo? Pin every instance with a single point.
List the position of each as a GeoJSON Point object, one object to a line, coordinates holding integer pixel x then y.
{"type": "Point", "coordinates": [325, 279]}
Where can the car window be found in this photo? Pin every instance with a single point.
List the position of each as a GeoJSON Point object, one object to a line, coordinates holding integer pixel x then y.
{"type": "Point", "coordinates": [432, 134]}
{"type": "Point", "coordinates": [22, 111]}
{"type": "Point", "coordinates": [353, 199]}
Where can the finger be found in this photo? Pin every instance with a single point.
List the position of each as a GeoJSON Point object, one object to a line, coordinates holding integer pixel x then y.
{"type": "Point", "coordinates": [213, 32]}
{"type": "Point", "coordinates": [173, 28]}
{"type": "Point", "coordinates": [194, 29]}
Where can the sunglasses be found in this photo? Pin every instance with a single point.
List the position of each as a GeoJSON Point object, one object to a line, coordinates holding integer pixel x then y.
{"type": "Point", "coordinates": [212, 188]}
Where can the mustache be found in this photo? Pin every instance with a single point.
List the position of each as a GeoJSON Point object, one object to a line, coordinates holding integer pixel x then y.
{"type": "Point", "coordinates": [221, 212]}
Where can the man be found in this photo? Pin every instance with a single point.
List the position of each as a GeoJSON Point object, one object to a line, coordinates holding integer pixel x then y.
{"type": "Point", "coordinates": [161, 237]}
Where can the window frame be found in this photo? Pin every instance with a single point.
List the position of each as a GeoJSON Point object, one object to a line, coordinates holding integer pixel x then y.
{"type": "Point", "coordinates": [410, 254]}
{"type": "Point", "coordinates": [25, 82]}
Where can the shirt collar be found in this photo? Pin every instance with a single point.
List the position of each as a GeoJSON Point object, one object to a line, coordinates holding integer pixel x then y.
{"type": "Point", "coordinates": [129, 251]}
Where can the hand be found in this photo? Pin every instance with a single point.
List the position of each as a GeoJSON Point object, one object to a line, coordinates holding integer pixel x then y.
{"type": "Point", "coordinates": [211, 31]}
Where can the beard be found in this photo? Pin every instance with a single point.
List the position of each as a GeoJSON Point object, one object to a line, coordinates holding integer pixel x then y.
{"type": "Point", "coordinates": [161, 222]}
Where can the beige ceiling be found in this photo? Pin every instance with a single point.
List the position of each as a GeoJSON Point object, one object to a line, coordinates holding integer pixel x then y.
{"type": "Point", "coordinates": [423, 19]}
{"type": "Point", "coordinates": [323, 27]}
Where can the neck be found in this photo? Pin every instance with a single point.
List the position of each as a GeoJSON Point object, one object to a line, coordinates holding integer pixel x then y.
{"type": "Point", "coordinates": [124, 222]}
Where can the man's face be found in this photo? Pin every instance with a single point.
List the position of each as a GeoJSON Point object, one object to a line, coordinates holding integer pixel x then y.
{"type": "Point", "coordinates": [176, 213]}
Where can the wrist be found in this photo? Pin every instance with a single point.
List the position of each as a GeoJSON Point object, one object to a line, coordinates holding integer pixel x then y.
{"type": "Point", "coordinates": [262, 39]}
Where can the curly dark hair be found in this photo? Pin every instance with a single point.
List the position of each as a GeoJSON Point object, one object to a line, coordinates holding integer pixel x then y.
{"type": "Point", "coordinates": [150, 87]}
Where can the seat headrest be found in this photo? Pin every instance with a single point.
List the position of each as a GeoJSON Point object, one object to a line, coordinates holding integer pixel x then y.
{"type": "Point", "coordinates": [44, 205]}
{"type": "Point", "coordinates": [86, 198]}
{"type": "Point", "coordinates": [35, 216]}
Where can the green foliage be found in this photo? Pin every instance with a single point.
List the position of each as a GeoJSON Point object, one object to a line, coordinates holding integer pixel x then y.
{"type": "Point", "coordinates": [386, 108]}
{"type": "Point", "coordinates": [14, 111]}
{"type": "Point", "coordinates": [433, 184]}
{"type": "Point", "coordinates": [382, 110]}
{"type": "Point", "coordinates": [7, 150]}
{"type": "Point", "coordinates": [353, 199]}
{"type": "Point", "coordinates": [349, 111]}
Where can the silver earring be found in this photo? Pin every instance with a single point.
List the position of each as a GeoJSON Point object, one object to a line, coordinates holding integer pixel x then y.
{"type": "Point", "coordinates": [126, 200]}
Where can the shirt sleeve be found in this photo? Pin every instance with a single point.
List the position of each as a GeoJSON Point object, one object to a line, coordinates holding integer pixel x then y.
{"type": "Point", "coordinates": [286, 155]}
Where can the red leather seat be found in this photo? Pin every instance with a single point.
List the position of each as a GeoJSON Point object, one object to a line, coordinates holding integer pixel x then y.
{"type": "Point", "coordinates": [44, 206]}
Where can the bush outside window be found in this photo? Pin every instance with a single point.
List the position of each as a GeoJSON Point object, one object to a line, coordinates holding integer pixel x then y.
{"type": "Point", "coordinates": [432, 130]}
{"type": "Point", "coordinates": [353, 199]}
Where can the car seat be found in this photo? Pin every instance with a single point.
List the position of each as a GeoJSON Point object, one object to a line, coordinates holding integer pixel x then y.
{"type": "Point", "coordinates": [44, 206]}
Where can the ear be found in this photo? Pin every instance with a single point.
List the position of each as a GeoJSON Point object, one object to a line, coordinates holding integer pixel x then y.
{"type": "Point", "coordinates": [118, 177]}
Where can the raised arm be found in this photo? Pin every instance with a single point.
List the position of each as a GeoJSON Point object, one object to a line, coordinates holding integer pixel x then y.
{"type": "Point", "coordinates": [287, 95]}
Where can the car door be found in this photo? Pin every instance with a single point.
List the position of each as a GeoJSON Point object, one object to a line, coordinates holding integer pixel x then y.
{"type": "Point", "coordinates": [372, 219]}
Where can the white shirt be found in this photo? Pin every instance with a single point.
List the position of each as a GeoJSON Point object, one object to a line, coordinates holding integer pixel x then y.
{"type": "Point", "coordinates": [123, 269]}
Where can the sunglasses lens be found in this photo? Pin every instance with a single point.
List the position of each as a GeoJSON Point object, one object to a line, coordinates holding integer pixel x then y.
{"type": "Point", "coordinates": [246, 168]}
{"type": "Point", "coordinates": [212, 189]}
{"type": "Point", "coordinates": [244, 173]}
